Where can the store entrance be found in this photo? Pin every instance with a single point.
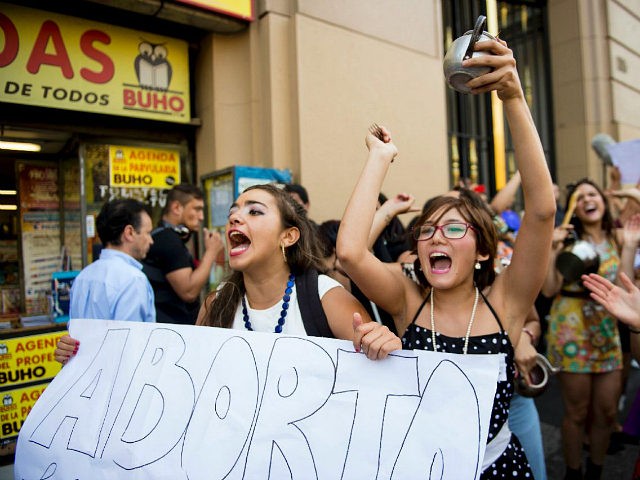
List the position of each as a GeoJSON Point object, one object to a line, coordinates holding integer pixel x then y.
{"type": "Point", "coordinates": [51, 199]}
{"type": "Point", "coordinates": [33, 218]}
{"type": "Point", "coordinates": [53, 196]}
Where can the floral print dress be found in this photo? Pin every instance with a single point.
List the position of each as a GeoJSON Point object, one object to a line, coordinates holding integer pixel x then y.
{"type": "Point", "coordinates": [582, 336]}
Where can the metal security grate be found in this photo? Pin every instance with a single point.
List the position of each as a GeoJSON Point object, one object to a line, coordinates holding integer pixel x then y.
{"type": "Point", "coordinates": [471, 147]}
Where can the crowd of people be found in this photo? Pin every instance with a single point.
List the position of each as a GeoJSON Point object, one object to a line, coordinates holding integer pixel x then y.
{"type": "Point", "coordinates": [467, 276]}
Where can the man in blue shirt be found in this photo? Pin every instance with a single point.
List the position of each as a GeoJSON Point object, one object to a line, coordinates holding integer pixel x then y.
{"type": "Point", "coordinates": [114, 287]}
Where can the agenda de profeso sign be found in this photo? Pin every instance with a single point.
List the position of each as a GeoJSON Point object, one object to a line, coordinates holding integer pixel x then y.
{"type": "Point", "coordinates": [28, 359]}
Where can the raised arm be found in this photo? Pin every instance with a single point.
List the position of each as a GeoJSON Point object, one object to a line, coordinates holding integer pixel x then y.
{"type": "Point", "coordinates": [516, 289]}
{"type": "Point", "coordinates": [505, 197]}
{"type": "Point", "coordinates": [553, 279]}
{"type": "Point", "coordinates": [373, 277]}
{"type": "Point", "coordinates": [393, 207]}
{"type": "Point", "coordinates": [188, 282]}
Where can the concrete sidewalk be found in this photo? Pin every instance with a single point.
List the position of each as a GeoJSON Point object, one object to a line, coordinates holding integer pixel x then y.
{"type": "Point", "coordinates": [616, 467]}
{"type": "Point", "coordinates": [6, 472]}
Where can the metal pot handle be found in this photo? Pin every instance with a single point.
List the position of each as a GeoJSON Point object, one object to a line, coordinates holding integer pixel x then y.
{"type": "Point", "coordinates": [544, 363]}
{"type": "Point", "coordinates": [475, 36]}
{"type": "Point", "coordinates": [526, 390]}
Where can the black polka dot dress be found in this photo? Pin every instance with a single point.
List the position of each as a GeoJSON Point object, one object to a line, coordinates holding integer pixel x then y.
{"type": "Point", "coordinates": [513, 462]}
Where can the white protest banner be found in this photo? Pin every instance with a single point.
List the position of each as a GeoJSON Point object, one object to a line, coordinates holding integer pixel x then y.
{"type": "Point", "coordinates": [163, 401]}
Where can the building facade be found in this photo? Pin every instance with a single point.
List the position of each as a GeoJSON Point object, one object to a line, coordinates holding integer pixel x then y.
{"type": "Point", "coordinates": [127, 97]}
{"type": "Point", "coordinates": [316, 73]}
{"type": "Point", "coordinates": [595, 65]}
{"type": "Point", "coordinates": [295, 84]}
{"type": "Point", "coordinates": [300, 87]}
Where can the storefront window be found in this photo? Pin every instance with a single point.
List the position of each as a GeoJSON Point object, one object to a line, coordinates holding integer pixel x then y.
{"type": "Point", "coordinates": [143, 173]}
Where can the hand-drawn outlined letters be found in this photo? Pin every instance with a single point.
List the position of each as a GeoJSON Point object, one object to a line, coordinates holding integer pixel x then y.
{"type": "Point", "coordinates": [159, 401]}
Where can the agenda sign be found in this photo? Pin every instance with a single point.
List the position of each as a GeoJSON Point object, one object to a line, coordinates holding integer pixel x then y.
{"type": "Point", "coordinates": [27, 364]}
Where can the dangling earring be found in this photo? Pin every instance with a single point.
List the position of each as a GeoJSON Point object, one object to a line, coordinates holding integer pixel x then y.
{"type": "Point", "coordinates": [284, 255]}
{"type": "Point", "coordinates": [478, 266]}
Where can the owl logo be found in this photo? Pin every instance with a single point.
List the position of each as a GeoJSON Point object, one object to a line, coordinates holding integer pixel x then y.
{"type": "Point", "coordinates": [7, 400]}
{"type": "Point", "coordinates": [152, 67]}
{"type": "Point", "coordinates": [3, 349]}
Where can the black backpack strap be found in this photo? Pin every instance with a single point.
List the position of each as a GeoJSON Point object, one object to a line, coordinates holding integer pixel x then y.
{"type": "Point", "coordinates": [313, 316]}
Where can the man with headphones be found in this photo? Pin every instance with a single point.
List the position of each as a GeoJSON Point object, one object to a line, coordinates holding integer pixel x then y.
{"type": "Point", "coordinates": [176, 279]}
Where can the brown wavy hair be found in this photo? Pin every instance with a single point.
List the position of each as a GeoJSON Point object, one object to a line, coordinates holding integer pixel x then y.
{"type": "Point", "coordinates": [301, 256]}
{"type": "Point", "coordinates": [476, 213]}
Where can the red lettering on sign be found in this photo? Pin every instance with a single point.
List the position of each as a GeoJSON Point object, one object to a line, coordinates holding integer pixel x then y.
{"type": "Point", "coordinates": [176, 104]}
{"type": "Point", "coordinates": [160, 101]}
{"type": "Point", "coordinates": [128, 97]}
{"type": "Point", "coordinates": [39, 56]}
{"type": "Point", "coordinates": [10, 51]}
{"type": "Point", "coordinates": [152, 100]}
{"type": "Point", "coordinates": [31, 395]}
{"type": "Point", "coordinates": [86, 45]}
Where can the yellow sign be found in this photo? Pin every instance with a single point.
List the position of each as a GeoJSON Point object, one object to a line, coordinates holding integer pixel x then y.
{"type": "Point", "coordinates": [28, 359]}
{"type": "Point", "coordinates": [16, 405]}
{"type": "Point", "coordinates": [57, 61]}
{"type": "Point", "coordinates": [235, 8]}
{"type": "Point", "coordinates": [143, 167]}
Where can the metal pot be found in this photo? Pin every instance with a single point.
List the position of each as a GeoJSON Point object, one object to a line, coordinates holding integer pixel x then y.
{"type": "Point", "coordinates": [538, 378]}
{"type": "Point", "coordinates": [579, 258]}
{"type": "Point", "coordinates": [462, 49]}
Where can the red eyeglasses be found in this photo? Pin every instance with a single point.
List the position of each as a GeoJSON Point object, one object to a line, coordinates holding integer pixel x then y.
{"type": "Point", "coordinates": [452, 231]}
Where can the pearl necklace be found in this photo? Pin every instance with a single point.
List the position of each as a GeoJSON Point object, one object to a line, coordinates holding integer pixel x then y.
{"type": "Point", "coordinates": [283, 313]}
{"type": "Point", "coordinates": [466, 337]}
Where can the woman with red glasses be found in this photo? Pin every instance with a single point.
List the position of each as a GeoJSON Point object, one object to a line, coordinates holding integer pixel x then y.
{"type": "Point", "coordinates": [453, 309]}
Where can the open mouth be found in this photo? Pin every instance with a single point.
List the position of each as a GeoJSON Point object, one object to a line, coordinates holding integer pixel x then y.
{"type": "Point", "coordinates": [440, 262]}
{"type": "Point", "coordinates": [590, 209]}
{"type": "Point", "coordinates": [238, 242]}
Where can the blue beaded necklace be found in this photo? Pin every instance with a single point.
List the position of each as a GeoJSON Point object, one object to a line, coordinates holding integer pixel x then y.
{"type": "Point", "coordinates": [283, 313]}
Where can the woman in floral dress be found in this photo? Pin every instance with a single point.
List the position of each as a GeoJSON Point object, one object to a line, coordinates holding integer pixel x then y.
{"type": "Point", "coordinates": [582, 337]}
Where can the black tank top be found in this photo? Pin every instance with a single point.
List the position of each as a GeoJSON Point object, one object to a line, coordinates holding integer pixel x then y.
{"type": "Point", "coordinates": [419, 338]}
{"type": "Point", "coordinates": [512, 463]}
